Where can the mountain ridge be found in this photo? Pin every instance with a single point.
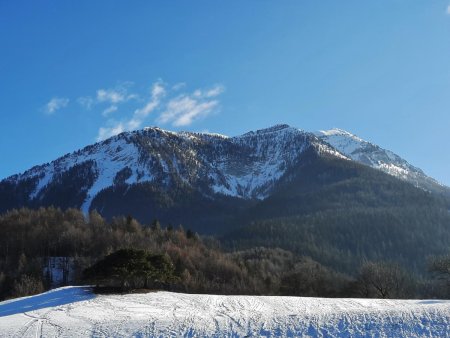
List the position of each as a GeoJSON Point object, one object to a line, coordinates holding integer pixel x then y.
{"type": "Point", "coordinates": [245, 166]}
{"type": "Point", "coordinates": [145, 153]}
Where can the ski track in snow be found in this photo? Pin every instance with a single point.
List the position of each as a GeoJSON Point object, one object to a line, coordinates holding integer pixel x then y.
{"type": "Point", "coordinates": [166, 314]}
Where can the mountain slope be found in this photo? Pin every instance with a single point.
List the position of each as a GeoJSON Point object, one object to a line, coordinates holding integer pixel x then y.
{"type": "Point", "coordinates": [246, 166]}
{"type": "Point", "coordinates": [341, 213]}
{"type": "Point", "coordinates": [376, 157]}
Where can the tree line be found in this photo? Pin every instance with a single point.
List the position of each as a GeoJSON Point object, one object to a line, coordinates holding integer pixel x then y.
{"type": "Point", "coordinates": [126, 255]}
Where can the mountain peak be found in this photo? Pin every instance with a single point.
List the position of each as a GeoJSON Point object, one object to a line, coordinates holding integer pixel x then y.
{"type": "Point", "coordinates": [376, 157]}
{"type": "Point", "coordinates": [338, 132]}
{"type": "Point", "coordinates": [184, 133]}
{"type": "Point", "coordinates": [274, 129]}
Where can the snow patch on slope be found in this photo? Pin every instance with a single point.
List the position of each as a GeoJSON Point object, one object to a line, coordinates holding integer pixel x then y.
{"type": "Point", "coordinates": [274, 150]}
{"type": "Point", "coordinates": [110, 160]}
{"type": "Point", "coordinates": [109, 157]}
{"type": "Point", "coordinates": [43, 181]}
{"type": "Point", "coordinates": [342, 140]}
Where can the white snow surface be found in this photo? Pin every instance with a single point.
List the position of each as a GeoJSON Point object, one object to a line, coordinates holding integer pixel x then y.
{"type": "Point", "coordinates": [76, 312]}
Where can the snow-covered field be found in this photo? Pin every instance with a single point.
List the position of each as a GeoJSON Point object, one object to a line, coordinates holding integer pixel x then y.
{"type": "Point", "coordinates": [76, 312]}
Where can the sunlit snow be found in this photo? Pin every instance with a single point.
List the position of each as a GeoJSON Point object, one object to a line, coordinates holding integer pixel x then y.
{"type": "Point", "coordinates": [75, 312]}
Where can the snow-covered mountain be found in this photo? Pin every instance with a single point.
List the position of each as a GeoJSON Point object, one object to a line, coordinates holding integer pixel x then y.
{"type": "Point", "coordinates": [76, 312]}
{"type": "Point", "coordinates": [376, 157]}
{"type": "Point", "coordinates": [246, 166]}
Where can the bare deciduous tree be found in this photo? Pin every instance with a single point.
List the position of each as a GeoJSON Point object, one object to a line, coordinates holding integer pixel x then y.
{"type": "Point", "coordinates": [383, 280]}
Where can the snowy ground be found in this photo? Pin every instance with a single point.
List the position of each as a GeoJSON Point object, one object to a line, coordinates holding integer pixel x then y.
{"type": "Point", "coordinates": [76, 312]}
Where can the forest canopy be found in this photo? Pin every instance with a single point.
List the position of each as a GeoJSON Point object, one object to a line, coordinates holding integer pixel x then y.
{"type": "Point", "coordinates": [126, 254]}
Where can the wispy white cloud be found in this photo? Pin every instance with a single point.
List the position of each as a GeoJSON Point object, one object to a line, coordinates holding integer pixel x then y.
{"type": "Point", "coordinates": [56, 103]}
{"type": "Point", "coordinates": [86, 102]}
{"type": "Point", "coordinates": [106, 132]}
{"type": "Point", "coordinates": [113, 96]}
{"type": "Point", "coordinates": [215, 91]}
{"type": "Point", "coordinates": [157, 92]}
{"type": "Point", "coordinates": [448, 10]}
{"type": "Point", "coordinates": [179, 85]}
{"type": "Point", "coordinates": [211, 92]}
{"type": "Point", "coordinates": [109, 110]}
{"type": "Point", "coordinates": [184, 109]}
{"type": "Point", "coordinates": [168, 104]}
{"type": "Point", "coordinates": [109, 95]}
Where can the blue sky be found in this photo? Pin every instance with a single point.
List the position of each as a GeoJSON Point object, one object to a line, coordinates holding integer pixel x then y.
{"type": "Point", "coordinates": [73, 72]}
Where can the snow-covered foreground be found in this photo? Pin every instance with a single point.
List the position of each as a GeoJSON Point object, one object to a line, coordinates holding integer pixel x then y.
{"type": "Point", "coordinates": [76, 312]}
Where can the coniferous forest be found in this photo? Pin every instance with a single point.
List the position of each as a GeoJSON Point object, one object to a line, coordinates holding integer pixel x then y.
{"type": "Point", "coordinates": [124, 255]}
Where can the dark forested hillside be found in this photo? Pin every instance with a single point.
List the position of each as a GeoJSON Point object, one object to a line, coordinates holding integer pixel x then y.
{"type": "Point", "coordinates": [180, 205]}
{"type": "Point", "coordinates": [344, 238]}
{"type": "Point", "coordinates": [341, 213]}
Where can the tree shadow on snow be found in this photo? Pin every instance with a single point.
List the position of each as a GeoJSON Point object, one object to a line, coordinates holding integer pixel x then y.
{"type": "Point", "coordinates": [45, 300]}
